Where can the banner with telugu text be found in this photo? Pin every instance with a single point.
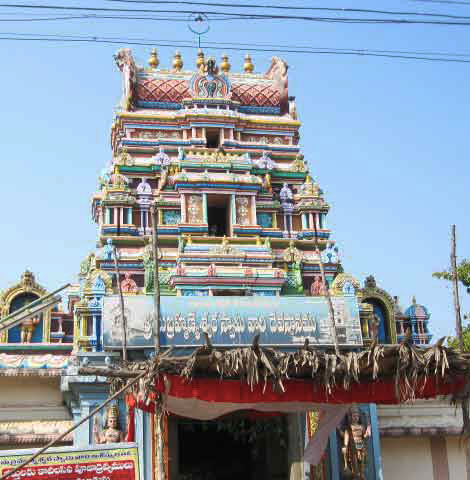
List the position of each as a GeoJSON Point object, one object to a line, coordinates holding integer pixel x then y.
{"type": "Point", "coordinates": [100, 462]}
{"type": "Point", "coordinates": [280, 321]}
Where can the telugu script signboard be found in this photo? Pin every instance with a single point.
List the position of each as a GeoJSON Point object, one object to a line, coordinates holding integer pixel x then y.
{"type": "Point", "coordinates": [280, 321]}
{"type": "Point", "coordinates": [68, 463]}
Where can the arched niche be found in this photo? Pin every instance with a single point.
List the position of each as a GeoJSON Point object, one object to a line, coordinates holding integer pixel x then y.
{"type": "Point", "coordinates": [16, 297]}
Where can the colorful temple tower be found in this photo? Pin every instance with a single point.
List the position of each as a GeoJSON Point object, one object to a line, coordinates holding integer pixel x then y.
{"type": "Point", "coordinates": [207, 163]}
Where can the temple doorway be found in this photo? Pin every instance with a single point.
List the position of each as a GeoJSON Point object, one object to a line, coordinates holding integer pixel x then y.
{"type": "Point", "coordinates": [217, 215]}
{"type": "Point", "coordinates": [233, 448]}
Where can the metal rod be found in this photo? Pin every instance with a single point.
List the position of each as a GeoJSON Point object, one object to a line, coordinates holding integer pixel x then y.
{"type": "Point", "coordinates": [327, 290]}
{"type": "Point", "coordinates": [121, 301]}
{"type": "Point", "coordinates": [73, 427]}
{"type": "Point", "coordinates": [26, 307]}
{"type": "Point", "coordinates": [156, 279]}
{"type": "Point", "coordinates": [455, 287]}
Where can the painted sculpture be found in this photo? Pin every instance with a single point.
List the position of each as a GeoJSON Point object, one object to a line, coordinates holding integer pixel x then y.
{"type": "Point", "coordinates": [111, 432]}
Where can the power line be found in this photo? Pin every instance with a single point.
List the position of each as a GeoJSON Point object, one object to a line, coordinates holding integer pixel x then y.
{"type": "Point", "coordinates": [247, 16]}
{"type": "Point", "coordinates": [169, 43]}
{"type": "Point", "coordinates": [282, 7]}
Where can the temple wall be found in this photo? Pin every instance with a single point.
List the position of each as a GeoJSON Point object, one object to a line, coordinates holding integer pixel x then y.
{"type": "Point", "coordinates": [31, 398]}
{"type": "Point", "coordinates": [456, 458]}
{"type": "Point", "coordinates": [406, 458]}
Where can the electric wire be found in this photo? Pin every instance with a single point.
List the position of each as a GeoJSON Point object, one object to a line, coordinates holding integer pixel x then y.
{"type": "Point", "coordinates": [121, 41]}
{"type": "Point", "coordinates": [246, 16]}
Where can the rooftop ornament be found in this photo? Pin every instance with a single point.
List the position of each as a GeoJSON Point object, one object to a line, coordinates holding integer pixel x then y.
{"type": "Point", "coordinates": [248, 66]}
{"type": "Point", "coordinates": [177, 62]}
{"type": "Point", "coordinates": [153, 59]}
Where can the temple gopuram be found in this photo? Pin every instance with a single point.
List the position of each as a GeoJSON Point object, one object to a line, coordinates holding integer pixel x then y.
{"type": "Point", "coordinates": [209, 213]}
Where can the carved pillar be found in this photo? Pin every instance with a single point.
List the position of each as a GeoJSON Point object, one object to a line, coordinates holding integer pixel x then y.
{"type": "Point", "coordinates": [304, 221]}
{"type": "Point", "coordinates": [311, 220]}
{"type": "Point", "coordinates": [233, 209]}
{"type": "Point", "coordinates": [254, 220]}
{"type": "Point", "coordinates": [183, 208]}
{"type": "Point", "coordinates": [193, 132]}
{"type": "Point", "coordinates": [274, 220]}
{"type": "Point", "coordinates": [204, 208]}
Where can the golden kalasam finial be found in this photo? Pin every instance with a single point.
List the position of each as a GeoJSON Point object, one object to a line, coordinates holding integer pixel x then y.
{"type": "Point", "coordinates": [200, 59]}
{"type": "Point", "coordinates": [177, 61]}
{"type": "Point", "coordinates": [248, 65]}
{"type": "Point", "coordinates": [225, 64]}
{"type": "Point", "coordinates": [153, 59]}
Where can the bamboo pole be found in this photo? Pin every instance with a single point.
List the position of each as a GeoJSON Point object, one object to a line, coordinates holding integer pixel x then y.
{"type": "Point", "coordinates": [331, 312]}
{"type": "Point", "coordinates": [156, 279]}
{"type": "Point", "coordinates": [12, 316]}
{"type": "Point", "coordinates": [156, 298]}
{"type": "Point", "coordinates": [121, 302]}
{"type": "Point", "coordinates": [73, 427]}
{"type": "Point", "coordinates": [455, 285]}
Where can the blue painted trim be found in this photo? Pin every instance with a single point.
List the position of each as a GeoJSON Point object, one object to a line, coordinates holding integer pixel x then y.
{"type": "Point", "coordinates": [149, 143]}
{"type": "Point", "coordinates": [247, 231]}
{"type": "Point", "coordinates": [334, 456]}
{"type": "Point", "coordinates": [218, 185]}
{"type": "Point", "coordinates": [312, 235]}
{"type": "Point", "coordinates": [123, 230]}
{"type": "Point", "coordinates": [194, 229]}
{"type": "Point", "coordinates": [153, 126]}
{"type": "Point", "coordinates": [210, 125]}
{"type": "Point", "coordinates": [165, 105]}
{"type": "Point", "coordinates": [262, 146]}
{"type": "Point", "coordinates": [374, 423]}
{"type": "Point", "coordinates": [284, 133]}
{"type": "Point", "coordinates": [271, 234]}
{"type": "Point", "coordinates": [266, 110]}
{"type": "Point", "coordinates": [122, 264]}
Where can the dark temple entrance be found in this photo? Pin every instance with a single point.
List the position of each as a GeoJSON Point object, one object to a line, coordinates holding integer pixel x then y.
{"type": "Point", "coordinates": [233, 448]}
{"type": "Point", "coordinates": [217, 215]}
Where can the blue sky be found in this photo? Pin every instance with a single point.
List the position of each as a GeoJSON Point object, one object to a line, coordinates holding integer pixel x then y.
{"type": "Point", "coordinates": [386, 139]}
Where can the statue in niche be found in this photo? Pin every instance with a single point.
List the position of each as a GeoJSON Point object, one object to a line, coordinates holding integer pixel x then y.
{"type": "Point", "coordinates": [212, 271]}
{"type": "Point", "coordinates": [285, 194]}
{"type": "Point", "coordinates": [161, 158]}
{"type": "Point", "coordinates": [144, 187]}
{"type": "Point", "coordinates": [162, 180]}
{"type": "Point", "coordinates": [292, 254]}
{"type": "Point", "coordinates": [354, 447]}
{"type": "Point", "coordinates": [267, 183]}
{"type": "Point", "coordinates": [128, 285]}
{"type": "Point", "coordinates": [111, 433]}
{"type": "Point", "coordinates": [27, 329]}
{"type": "Point", "coordinates": [318, 287]}
{"type": "Point", "coordinates": [149, 267]}
{"type": "Point", "coordinates": [108, 250]}
{"type": "Point", "coordinates": [181, 154]}
{"type": "Point", "coordinates": [88, 265]}
{"type": "Point", "coordinates": [374, 323]}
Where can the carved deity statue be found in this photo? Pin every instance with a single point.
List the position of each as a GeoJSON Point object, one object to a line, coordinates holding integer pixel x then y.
{"type": "Point", "coordinates": [318, 287]}
{"type": "Point", "coordinates": [27, 329]}
{"type": "Point", "coordinates": [285, 193]}
{"type": "Point", "coordinates": [354, 447]}
{"type": "Point", "coordinates": [108, 250]}
{"type": "Point", "coordinates": [128, 285]}
{"type": "Point", "coordinates": [111, 432]}
{"type": "Point", "coordinates": [149, 267]}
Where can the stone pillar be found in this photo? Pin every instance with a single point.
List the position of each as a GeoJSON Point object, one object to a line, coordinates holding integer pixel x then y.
{"type": "Point", "coordinates": [204, 208]}
{"type": "Point", "coordinates": [193, 132]}
{"type": "Point", "coordinates": [253, 210]}
{"type": "Point", "coordinates": [233, 209]}
{"type": "Point", "coordinates": [304, 221]}
{"type": "Point", "coordinates": [183, 208]}
{"type": "Point", "coordinates": [311, 220]}
{"type": "Point", "coordinates": [274, 220]}
{"type": "Point", "coordinates": [295, 447]}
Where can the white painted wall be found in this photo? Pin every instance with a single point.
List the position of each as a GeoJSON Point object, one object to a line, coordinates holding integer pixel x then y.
{"type": "Point", "coordinates": [457, 460]}
{"type": "Point", "coordinates": [406, 458]}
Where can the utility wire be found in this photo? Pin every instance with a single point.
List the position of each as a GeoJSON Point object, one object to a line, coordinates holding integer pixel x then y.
{"type": "Point", "coordinates": [247, 16]}
{"type": "Point", "coordinates": [449, 2]}
{"type": "Point", "coordinates": [283, 7]}
{"type": "Point", "coordinates": [103, 40]}
{"type": "Point", "coordinates": [275, 47]}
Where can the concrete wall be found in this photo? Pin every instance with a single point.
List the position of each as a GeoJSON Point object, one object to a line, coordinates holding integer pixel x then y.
{"type": "Point", "coordinates": [31, 398]}
{"type": "Point", "coordinates": [413, 457]}
{"type": "Point", "coordinates": [404, 458]}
